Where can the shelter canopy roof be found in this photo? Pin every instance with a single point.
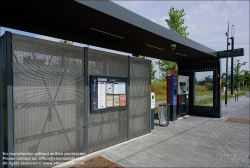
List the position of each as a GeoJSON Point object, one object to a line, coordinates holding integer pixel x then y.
{"type": "Point", "coordinates": [103, 24]}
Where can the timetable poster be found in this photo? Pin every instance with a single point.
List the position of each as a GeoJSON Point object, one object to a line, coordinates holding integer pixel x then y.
{"type": "Point", "coordinates": [119, 88]}
{"type": "Point", "coordinates": [109, 101]}
{"type": "Point", "coordinates": [101, 95]}
{"type": "Point", "coordinates": [123, 100]}
{"type": "Point", "coordinates": [109, 88]}
{"type": "Point", "coordinates": [116, 100]}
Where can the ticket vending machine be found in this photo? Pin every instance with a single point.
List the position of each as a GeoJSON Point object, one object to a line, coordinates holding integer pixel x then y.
{"type": "Point", "coordinates": [172, 96]}
{"type": "Point", "coordinates": [177, 95]}
{"type": "Point", "coordinates": [182, 95]}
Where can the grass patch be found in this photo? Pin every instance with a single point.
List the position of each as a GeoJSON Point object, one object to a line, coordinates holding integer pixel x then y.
{"type": "Point", "coordinates": [210, 100]}
{"type": "Point", "coordinates": [204, 101]}
{"type": "Point", "coordinates": [160, 90]}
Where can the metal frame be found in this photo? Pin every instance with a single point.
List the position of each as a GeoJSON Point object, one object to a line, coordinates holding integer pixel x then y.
{"type": "Point", "coordinates": [128, 99]}
{"type": "Point", "coordinates": [121, 79]}
{"type": "Point", "coordinates": [86, 103]}
{"type": "Point", "coordinates": [189, 68]}
{"type": "Point", "coordinates": [138, 87]}
{"type": "Point", "coordinates": [1, 99]}
{"type": "Point", "coordinates": [150, 124]}
{"type": "Point", "coordinates": [9, 80]}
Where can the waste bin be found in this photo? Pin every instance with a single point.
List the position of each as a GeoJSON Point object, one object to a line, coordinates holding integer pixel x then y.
{"type": "Point", "coordinates": [163, 114]}
{"type": "Point", "coordinates": [152, 110]}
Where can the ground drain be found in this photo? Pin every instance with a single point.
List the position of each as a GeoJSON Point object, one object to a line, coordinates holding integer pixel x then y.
{"type": "Point", "coordinates": [236, 120]}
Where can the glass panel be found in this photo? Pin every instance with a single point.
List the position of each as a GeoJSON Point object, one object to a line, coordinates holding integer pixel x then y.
{"type": "Point", "coordinates": [203, 88]}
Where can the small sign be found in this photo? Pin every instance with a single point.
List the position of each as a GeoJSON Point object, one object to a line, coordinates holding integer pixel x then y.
{"type": "Point", "coordinates": [123, 100]}
{"type": "Point", "coordinates": [116, 100]}
{"type": "Point", "coordinates": [230, 53]}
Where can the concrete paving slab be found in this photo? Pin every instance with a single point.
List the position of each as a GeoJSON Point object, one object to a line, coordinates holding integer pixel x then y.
{"type": "Point", "coordinates": [190, 142]}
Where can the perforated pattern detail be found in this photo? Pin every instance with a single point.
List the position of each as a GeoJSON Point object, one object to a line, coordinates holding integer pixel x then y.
{"type": "Point", "coordinates": [140, 89]}
{"type": "Point", "coordinates": [48, 96]}
{"type": "Point", "coordinates": [107, 128]}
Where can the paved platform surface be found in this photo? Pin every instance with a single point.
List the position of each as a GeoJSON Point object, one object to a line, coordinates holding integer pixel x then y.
{"type": "Point", "coordinates": [189, 142]}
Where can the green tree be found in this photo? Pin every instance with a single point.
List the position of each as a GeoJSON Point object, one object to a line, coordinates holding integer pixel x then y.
{"type": "Point", "coordinates": [153, 71]}
{"type": "Point", "coordinates": [176, 21]}
{"type": "Point", "coordinates": [176, 24]}
{"type": "Point", "coordinates": [165, 68]}
{"type": "Point", "coordinates": [238, 77]}
{"type": "Point", "coordinates": [246, 77]}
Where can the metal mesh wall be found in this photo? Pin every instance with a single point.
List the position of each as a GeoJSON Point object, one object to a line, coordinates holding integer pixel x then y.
{"type": "Point", "coordinates": [140, 89]}
{"type": "Point", "coordinates": [107, 128]}
{"type": "Point", "coordinates": [48, 96]}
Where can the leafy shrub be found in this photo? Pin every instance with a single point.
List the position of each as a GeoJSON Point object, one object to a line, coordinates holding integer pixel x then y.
{"type": "Point", "coordinates": [159, 88]}
{"type": "Point", "coordinates": [200, 88]}
{"type": "Point", "coordinates": [209, 85]}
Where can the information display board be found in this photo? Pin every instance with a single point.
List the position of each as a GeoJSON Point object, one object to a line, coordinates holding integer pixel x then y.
{"type": "Point", "coordinates": [107, 93]}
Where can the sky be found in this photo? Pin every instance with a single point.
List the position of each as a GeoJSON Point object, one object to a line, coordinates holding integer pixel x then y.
{"type": "Point", "coordinates": [207, 23]}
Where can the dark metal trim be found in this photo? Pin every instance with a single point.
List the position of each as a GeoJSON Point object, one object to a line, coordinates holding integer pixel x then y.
{"type": "Point", "coordinates": [1, 99]}
{"type": "Point", "coordinates": [120, 79]}
{"type": "Point", "coordinates": [116, 11]}
{"type": "Point", "coordinates": [219, 89]}
{"type": "Point", "coordinates": [86, 98]}
{"type": "Point", "coordinates": [128, 97]}
{"type": "Point", "coordinates": [46, 134]}
{"type": "Point", "coordinates": [150, 124]}
{"type": "Point", "coordinates": [189, 68]}
{"type": "Point", "coordinates": [9, 75]}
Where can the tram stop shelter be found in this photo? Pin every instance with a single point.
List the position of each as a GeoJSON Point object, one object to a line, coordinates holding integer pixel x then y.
{"type": "Point", "coordinates": [48, 96]}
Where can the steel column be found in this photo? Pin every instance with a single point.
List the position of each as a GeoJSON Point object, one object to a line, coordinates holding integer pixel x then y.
{"type": "Point", "coordinates": [86, 99]}
{"type": "Point", "coordinates": [232, 69]}
{"type": "Point", "coordinates": [219, 89]}
{"type": "Point", "coordinates": [128, 98]}
{"type": "Point", "coordinates": [150, 98]}
{"type": "Point", "coordinates": [1, 98]}
{"type": "Point", "coordinates": [9, 80]}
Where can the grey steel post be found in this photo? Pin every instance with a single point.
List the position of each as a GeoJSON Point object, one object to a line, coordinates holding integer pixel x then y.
{"type": "Point", "coordinates": [219, 88]}
{"type": "Point", "coordinates": [86, 100]}
{"type": "Point", "coordinates": [128, 98]}
{"type": "Point", "coordinates": [1, 102]}
{"type": "Point", "coordinates": [150, 98]}
{"type": "Point", "coordinates": [232, 70]}
{"type": "Point", "coordinates": [227, 66]}
{"type": "Point", "coordinates": [9, 75]}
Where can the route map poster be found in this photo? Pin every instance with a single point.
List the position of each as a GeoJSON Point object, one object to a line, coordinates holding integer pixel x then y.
{"type": "Point", "coordinates": [107, 93]}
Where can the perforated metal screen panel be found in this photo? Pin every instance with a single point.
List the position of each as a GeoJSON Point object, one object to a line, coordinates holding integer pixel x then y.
{"type": "Point", "coordinates": [48, 96]}
{"type": "Point", "coordinates": [140, 88]}
{"type": "Point", "coordinates": [107, 128]}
